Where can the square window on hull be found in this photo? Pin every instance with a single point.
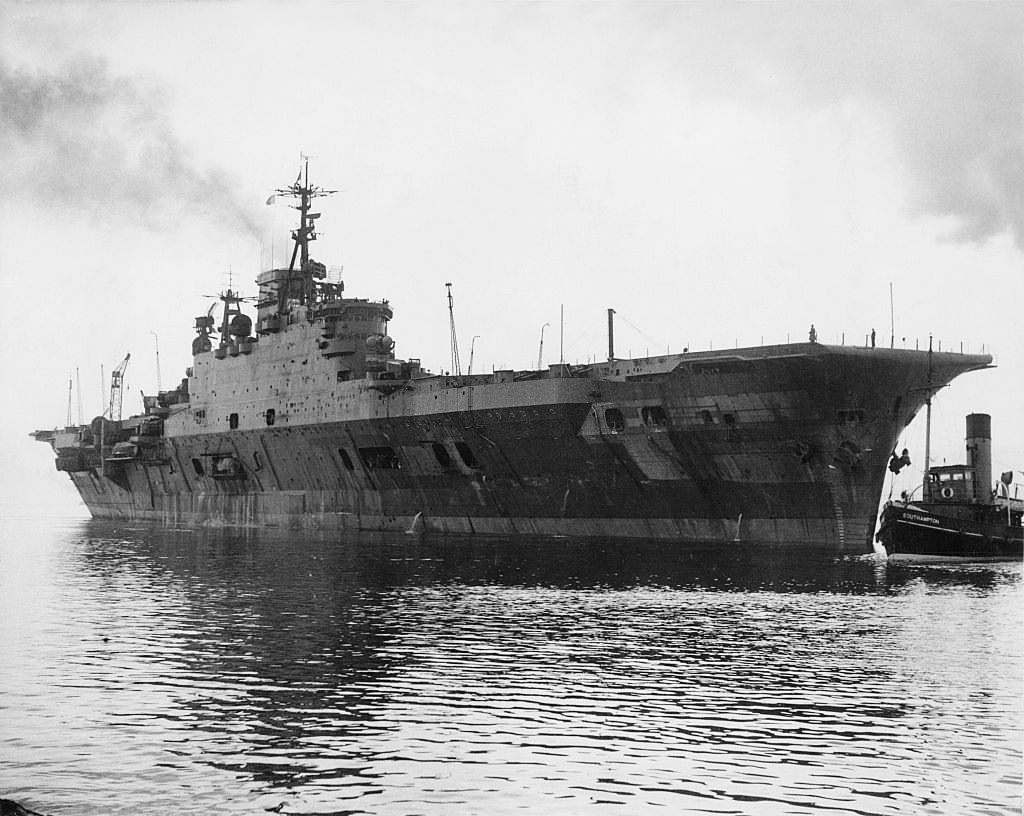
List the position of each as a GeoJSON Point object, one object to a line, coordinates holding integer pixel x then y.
{"type": "Point", "coordinates": [380, 458]}
{"type": "Point", "coordinates": [444, 459]}
{"type": "Point", "coordinates": [467, 456]}
{"type": "Point", "coordinates": [614, 419]}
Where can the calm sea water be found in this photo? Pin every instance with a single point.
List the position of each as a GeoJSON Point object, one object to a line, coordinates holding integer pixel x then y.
{"type": "Point", "coordinates": [212, 671]}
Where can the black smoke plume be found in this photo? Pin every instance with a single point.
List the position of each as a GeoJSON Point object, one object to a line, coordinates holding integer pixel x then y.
{"type": "Point", "coordinates": [81, 141]}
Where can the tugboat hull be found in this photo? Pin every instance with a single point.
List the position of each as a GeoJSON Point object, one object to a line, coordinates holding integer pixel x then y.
{"type": "Point", "coordinates": [913, 533]}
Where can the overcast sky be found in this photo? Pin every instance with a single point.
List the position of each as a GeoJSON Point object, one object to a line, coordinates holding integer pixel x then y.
{"type": "Point", "coordinates": [718, 173]}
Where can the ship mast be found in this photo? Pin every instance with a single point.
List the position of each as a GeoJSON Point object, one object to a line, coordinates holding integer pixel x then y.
{"type": "Point", "coordinates": [306, 232]}
{"type": "Point", "coordinates": [456, 367]}
{"type": "Point", "coordinates": [926, 487]}
{"type": "Point", "coordinates": [231, 300]}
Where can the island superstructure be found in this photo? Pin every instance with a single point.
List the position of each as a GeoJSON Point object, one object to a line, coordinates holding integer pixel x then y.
{"type": "Point", "coordinates": [306, 417]}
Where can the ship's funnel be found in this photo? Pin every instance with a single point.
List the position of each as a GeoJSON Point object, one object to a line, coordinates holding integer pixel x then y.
{"type": "Point", "coordinates": [979, 453]}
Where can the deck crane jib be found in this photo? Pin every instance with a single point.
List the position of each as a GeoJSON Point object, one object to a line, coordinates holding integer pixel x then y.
{"type": "Point", "coordinates": [116, 389]}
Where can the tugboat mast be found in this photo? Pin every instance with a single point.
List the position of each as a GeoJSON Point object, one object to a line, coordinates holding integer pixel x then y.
{"type": "Point", "coordinates": [927, 487]}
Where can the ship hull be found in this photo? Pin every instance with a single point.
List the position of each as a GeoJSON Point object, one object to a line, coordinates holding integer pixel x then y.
{"type": "Point", "coordinates": [396, 511]}
{"type": "Point", "coordinates": [788, 447]}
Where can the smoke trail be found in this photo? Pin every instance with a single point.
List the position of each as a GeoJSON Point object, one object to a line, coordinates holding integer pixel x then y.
{"type": "Point", "coordinates": [82, 141]}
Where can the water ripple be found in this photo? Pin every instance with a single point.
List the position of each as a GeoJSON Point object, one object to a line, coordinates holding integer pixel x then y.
{"type": "Point", "coordinates": [217, 671]}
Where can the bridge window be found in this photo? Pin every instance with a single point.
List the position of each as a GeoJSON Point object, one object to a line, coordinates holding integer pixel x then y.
{"type": "Point", "coordinates": [200, 416]}
{"type": "Point", "coordinates": [257, 462]}
{"type": "Point", "coordinates": [346, 460]}
{"type": "Point", "coordinates": [198, 465]}
{"type": "Point", "coordinates": [233, 421]}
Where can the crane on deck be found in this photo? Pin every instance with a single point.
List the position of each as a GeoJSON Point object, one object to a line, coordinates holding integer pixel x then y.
{"type": "Point", "coordinates": [116, 388]}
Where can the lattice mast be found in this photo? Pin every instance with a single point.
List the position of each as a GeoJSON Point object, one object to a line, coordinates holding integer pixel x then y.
{"type": "Point", "coordinates": [307, 269]}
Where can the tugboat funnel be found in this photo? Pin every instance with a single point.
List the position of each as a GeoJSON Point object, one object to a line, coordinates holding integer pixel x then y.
{"type": "Point", "coordinates": [979, 453]}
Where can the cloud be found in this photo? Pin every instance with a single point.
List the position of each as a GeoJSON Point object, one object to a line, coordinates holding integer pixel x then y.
{"type": "Point", "coordinates": [82, 141]}
{"type": "Point", "coordinates": [948, 78]}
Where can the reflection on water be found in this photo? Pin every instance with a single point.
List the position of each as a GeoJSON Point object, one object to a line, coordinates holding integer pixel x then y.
{"type": "Point", "coordinates": [240, 672]}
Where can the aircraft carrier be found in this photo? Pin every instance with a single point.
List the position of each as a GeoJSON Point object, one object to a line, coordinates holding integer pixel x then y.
{"type": "Point", "coordinates": [306, 417]}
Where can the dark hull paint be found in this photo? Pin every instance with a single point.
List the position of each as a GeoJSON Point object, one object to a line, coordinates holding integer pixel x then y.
{"type": "Point", "coordinates": [909, 532]}
{"type": "Point", "coordinates": [789, 447]}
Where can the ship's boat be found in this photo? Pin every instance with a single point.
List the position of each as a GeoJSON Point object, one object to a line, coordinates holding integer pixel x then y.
{"type": "Point", "coordinates": [959, 515]}
{"type": "Point", "coordinates": [305, 416]}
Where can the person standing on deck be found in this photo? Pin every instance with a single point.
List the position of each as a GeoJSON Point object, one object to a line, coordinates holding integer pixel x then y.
{"type": "Point", "coordinates": [872, 338]}
{"type": "Point", "coordinates": [813, 334]}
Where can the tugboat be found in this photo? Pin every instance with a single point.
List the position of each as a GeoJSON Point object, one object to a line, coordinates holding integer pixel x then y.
{"type": "Point", "coordinates": [959, 516]}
